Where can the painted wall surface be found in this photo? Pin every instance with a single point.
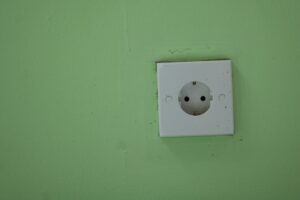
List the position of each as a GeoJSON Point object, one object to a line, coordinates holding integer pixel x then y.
{"type": "Point", "coordinates": [78, 105]}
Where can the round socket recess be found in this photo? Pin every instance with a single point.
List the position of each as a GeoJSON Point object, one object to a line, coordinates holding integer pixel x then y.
{"type": "Point", "coordinates": [194, 98]}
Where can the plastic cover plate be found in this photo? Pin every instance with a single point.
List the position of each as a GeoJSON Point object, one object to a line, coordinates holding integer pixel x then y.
{"type": "Point", "coordinates": [217, 120]}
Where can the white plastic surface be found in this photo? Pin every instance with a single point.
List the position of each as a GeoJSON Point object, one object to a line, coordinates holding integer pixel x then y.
{"type": "Point", "coordinates": [172, 77]}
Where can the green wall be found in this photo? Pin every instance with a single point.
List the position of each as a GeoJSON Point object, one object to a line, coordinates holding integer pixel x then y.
{"type": "Point", "coordinates": [78, 105]}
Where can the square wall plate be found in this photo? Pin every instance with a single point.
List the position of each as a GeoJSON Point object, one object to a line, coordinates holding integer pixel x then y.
{"type": "Point", "coordinates": [195, 98]}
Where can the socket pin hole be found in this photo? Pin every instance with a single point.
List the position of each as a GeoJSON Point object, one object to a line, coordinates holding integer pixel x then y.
{"type": "Point", "coordinates": [186, 98]}
{"type": "Point", "coordinates": [194, 82]}
{"type": "Point", "coordinates": [202, 98]}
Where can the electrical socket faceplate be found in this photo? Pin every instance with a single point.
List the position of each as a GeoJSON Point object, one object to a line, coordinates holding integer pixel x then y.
{"type": "Point", "coordinates": [195, 98]}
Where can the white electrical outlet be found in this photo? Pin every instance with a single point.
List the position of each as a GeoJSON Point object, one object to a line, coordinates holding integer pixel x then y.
{"type": "Point", "coordinates": [195, 98]}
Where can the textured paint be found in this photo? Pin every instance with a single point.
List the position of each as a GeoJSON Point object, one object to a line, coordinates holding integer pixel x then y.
{"type": "Point", "coordinates": [78, 107]}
